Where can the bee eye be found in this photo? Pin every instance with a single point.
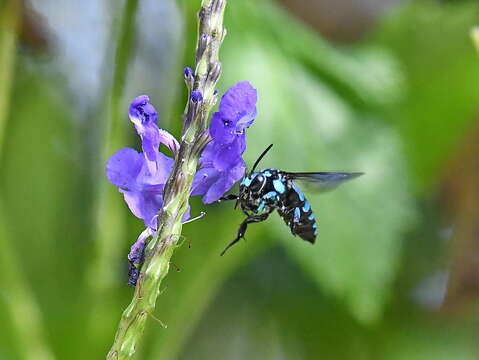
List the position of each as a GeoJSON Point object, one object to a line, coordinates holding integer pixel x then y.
{"type": "Point", "coordinates": [256, 184]}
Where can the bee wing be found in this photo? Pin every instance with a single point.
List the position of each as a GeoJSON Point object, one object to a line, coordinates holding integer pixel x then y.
{"type": "Point", "coordinates": [323, 181]}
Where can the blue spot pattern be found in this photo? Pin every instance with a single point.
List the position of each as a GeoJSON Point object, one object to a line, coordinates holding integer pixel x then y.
{"type": "Point", "coordinates": [279, 186]}
{"type": "Point", "coordinates": [270, 195]}
{"type": "Point", "coordinates": [306, 206]}
{"type": "Point", "coordinates": [297, 214]}
{"type": "Point", "coordinates": [299, 192]}
{"type": "Point", "coordinates": [246, 181]}
{"type": "Point", "coordinates": [260, 207]}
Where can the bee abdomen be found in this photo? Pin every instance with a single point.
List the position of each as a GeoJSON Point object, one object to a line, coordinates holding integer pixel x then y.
{"type": "Point", "coordinates": [297, 214]}
{"type": "Point", "coordinates": [305, 225]}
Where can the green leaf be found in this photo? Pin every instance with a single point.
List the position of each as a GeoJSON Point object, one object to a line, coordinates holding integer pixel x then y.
{"type": "Point", "coordinates": [431, 41]}
{"type": "Point", "coordinates": [440, 339]}
{"type": "Point", "coordinates": [367, 77]}
{"type": "Point", "coordinates": [45, 190]}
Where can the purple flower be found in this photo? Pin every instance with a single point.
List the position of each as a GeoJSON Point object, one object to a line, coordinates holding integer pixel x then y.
{"type": "Point", "coordinates": [221, 162]}
{"type": "Point", "coordinates": [237, 110]}
{"type": "Point", "coordinates": [141, 177]}
{"type": "Point", "coordinates": [188, 72]}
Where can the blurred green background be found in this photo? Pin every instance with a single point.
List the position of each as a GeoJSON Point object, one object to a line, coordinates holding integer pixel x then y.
{"type": "Point", "coordinates": [390, 88]}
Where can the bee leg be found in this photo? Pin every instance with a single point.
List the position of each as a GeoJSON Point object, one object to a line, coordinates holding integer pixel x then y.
{"type": "Point", "coordinates": [229, 197]}
{"type": "Point", "coordinates": [242, 229]}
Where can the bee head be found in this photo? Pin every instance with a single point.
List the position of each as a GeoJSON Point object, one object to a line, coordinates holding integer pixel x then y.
{"type": "Point", "coordinates": [252, 185]}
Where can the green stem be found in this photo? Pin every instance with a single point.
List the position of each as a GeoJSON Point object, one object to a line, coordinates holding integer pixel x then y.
{"type": "Point", "coordinates": [20, 301]}
{"type": "Point", "coordinates": [178, 187]}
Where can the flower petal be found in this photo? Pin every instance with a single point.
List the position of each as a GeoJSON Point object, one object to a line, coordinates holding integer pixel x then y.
{"type": "Point", "coordinates": [204, 178]}
{"type": "Point", "coordinates": [145, 205]}
{"type": "Point", "coordinates": [163, 165]}
{"type": "Point", "coordinates": [141, 112]}
{"type": "Point", "coordinates": [170, 141]}
{"type": "Point", "coordinates": [123, 168]}
{"type": "Point", "coordinates": [237, 110]}
{"type": "Point", "coordinates": [228, 156]}
{"type": "Point", "coordinates": [144, 116]}
{"type": "Point", "coordinates": [213, 184]}
{"type": "Point", "coordinates": [216, 191]}
{"type": "Point", "coordinates": [221, 129]}
{"type": "Point", "coordinates": [239, 101]}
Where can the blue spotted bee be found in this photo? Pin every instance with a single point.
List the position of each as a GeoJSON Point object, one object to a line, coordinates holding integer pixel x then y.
{"type": "Point", "coordinates": [264, 191]}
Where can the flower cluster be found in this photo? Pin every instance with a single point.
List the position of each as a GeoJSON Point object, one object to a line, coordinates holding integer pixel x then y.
{"type": "Point", "coordinates": [141, 176]}
{"type": "Point", "coordinates": [221, 162]}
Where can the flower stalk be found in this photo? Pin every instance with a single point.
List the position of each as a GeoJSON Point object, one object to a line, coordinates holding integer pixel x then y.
{"type": "Point", "coordinates": [195, 136]}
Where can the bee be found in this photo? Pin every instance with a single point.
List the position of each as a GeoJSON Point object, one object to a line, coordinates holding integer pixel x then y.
{"type": "Point", "coordinates": [262, 192]}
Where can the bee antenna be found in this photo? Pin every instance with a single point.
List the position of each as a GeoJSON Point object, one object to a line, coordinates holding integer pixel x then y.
{"type": "Point", "coordinates": [260, 157]}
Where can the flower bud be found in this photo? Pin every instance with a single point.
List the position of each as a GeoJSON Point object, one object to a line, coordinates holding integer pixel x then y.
{"type": "Point", "coordinates": [189, 77]}
{"type": "Point", "coordinates": [196, 96]}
